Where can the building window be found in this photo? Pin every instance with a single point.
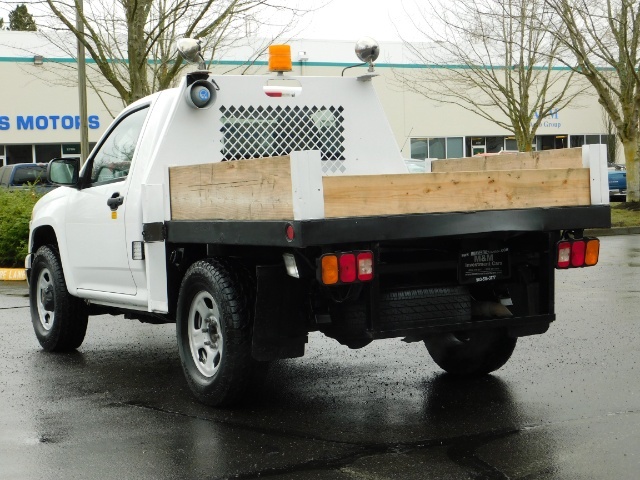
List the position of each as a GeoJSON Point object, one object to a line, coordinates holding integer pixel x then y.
{"type": "Point", "coordinates": [510, 143]}
{"type": "Point", "coordinates": [495, 144]}
{"type": "Point", "coordinates": [593, 139]}
{"type": "Point", "coordinates": [455, 147]}
{"type": "Point", "coordinates": [576, 141]}
{"type": "Point", "coordinates": [551, 142]}
{"type": "Point", "coordinates": [19, 154]}
{"type": "Point", "coordinates": [419, 148]}
{"type": "Point", "coordinates": [436, 147]}
{"type": "Point", "coordinates": [45, 153]}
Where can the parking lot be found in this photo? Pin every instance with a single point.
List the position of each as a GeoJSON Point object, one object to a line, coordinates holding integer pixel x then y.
{"type": "Point", "coordinates": [566, 406]}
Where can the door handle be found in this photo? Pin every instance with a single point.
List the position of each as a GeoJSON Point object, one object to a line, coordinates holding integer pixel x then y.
{"type": "Point", "coordinates": [115, 201]}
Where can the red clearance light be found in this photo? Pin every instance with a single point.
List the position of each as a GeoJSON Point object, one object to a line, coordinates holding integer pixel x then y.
{"type": "Point", "coordinates": [347, 268]}
{"type": "Point", "coordinates": [290, 233]}
{"type": "Point", "coordinates": [564, 254]}
{"type": "Point", "coordinates": [578, 249]}
{"type": "Point", "coordinates": [365, 266]}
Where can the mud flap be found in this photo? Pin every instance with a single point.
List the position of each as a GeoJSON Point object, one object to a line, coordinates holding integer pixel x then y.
{"type": "Point", "coordinates": [280, 323]}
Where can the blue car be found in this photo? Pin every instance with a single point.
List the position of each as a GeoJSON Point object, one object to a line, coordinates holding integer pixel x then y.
{"type": "Point", "coordinates": [617, 180]}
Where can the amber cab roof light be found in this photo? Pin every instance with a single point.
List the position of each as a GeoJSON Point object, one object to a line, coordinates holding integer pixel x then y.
{"type": "Point", "coordinates": [280, 58]}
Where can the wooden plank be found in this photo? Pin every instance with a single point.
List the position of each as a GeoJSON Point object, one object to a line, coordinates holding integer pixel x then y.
{"type": "Point", "coordinates": [257, 189]}
{"type": "Point", "coordinates": [560, 158]}
{"type": "Point", "coordinates": [362, 195]}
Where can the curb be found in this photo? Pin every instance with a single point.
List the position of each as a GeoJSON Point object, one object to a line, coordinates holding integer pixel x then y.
{"type": "Point", "coordinates": [605, 232]}
{"type": "Point", "coordinates": [10, 274]}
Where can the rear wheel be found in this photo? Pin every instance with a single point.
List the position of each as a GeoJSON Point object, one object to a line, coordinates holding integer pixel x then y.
{"type": "Point", "coordinates": [474, 352]}
{"type": "Point", "coordinates": [59, 319]}
{"type": "Point", "coordinates": [214, 330]}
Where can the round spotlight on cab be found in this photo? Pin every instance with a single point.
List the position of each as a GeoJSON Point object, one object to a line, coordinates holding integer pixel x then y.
{"type": "Point", "coordinates": [201, 94]}
{"type": "Point", "coordinates": [367, 50]}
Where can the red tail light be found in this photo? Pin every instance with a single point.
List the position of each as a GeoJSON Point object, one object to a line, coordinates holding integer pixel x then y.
{"type": "Point", "coordinates": [575, 253]}
{"type": "Point", "coordinates": [345, 267]}
{"type": "Point", "coordinates": [348, 268]}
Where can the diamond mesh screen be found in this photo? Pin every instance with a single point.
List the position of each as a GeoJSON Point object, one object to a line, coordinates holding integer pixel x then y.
{"type": "Point", "coordinates": [254, 132]}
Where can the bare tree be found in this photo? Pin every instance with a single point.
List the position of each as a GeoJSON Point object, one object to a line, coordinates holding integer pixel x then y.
{"type": "Point", "coordinates": [604, 38]}
{"type": "Point", "coordinates": [483, 56]}
{"type": "Point", "coordinates": [612, 138]}
{"type": "Point", "coordinates": [132, 42]}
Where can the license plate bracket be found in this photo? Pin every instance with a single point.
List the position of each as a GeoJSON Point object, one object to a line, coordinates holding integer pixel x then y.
{"type": "Point", "coordinates": [483, 265]}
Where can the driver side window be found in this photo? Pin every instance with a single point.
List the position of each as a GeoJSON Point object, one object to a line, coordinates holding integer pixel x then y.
{"type": "Point", "coordinates": [113, 159]}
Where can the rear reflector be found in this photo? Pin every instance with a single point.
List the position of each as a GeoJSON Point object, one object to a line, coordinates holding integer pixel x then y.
{"type": "Point", "coordinates": [577, 253]}
{"type": "Point", "coordinates": [346, 267]}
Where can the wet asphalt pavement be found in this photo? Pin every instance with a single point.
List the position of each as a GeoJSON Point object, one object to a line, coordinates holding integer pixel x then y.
{"type": "Point", "coordinates": [566, 406]}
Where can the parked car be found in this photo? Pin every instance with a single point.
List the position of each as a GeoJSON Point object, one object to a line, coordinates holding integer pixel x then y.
{"type": "Point", "coordinates": [22, 175]}
{"type": "Point", "coordinates": [617, 180]}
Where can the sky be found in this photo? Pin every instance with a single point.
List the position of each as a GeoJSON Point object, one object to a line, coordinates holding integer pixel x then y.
{"type": "Point", "coordinates": [352, 19]}
{"type": "Point", "coordinates": [337, 20]}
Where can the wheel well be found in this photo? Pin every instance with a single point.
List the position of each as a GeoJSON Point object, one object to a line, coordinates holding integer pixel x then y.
{"type": "Point", "coordinates": [44, 235]}
{"type": "Point", "coordinates": [179, 259]}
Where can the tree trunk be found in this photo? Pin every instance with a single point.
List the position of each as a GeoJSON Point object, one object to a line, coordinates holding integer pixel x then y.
{"type": "Point", "coordinates": [136, 43]}
{"type": "Point", "coordinates": [524, 140]}
{"type": "Point", "coordinates": [632, 161]}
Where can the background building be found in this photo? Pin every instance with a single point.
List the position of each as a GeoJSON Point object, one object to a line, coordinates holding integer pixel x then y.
{"type": "Point", "coordinates": [39, 103]}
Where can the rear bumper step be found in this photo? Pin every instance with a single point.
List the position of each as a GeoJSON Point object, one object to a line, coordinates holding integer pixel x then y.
{"type": "Point", "coordinates": [516, 326]}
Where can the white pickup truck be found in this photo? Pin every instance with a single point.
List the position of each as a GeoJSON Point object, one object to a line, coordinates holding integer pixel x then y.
{"type": "Point", "coordinates": [252, 210]}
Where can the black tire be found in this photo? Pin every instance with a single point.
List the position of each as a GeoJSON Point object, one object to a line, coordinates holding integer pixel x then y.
{"type": "Point", "coordinates": [474, 352]}
{"type": "Point", "coordinates": [215, 306]}
{"type": "Point", "coordinates": [59, 319]}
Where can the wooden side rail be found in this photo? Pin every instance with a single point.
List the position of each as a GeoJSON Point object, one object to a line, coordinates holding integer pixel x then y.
{"type": "Point", "coordinates": [454, 192]}
{"type": "Point", "coordinates": [293, 188]}
{"type": "Point", "coordinates": [561, 158]}
{"type": "Point", "coordinates": [240, 190]}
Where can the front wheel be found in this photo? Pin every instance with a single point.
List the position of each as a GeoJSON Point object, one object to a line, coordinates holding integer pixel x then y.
{"type": "Point", "coordinates": [474, 352]}
{"type": "Point", "coordinates": [213, 327]}
{"type": "Point", "coordinates": [59, 319]}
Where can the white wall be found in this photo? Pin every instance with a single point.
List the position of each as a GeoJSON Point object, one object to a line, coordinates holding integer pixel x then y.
{"type": "Point", "coordinates": [43, 95]}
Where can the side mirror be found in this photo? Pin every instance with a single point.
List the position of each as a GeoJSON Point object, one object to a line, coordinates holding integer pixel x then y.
{"type": "Point", "coordinates": [64, 171]}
